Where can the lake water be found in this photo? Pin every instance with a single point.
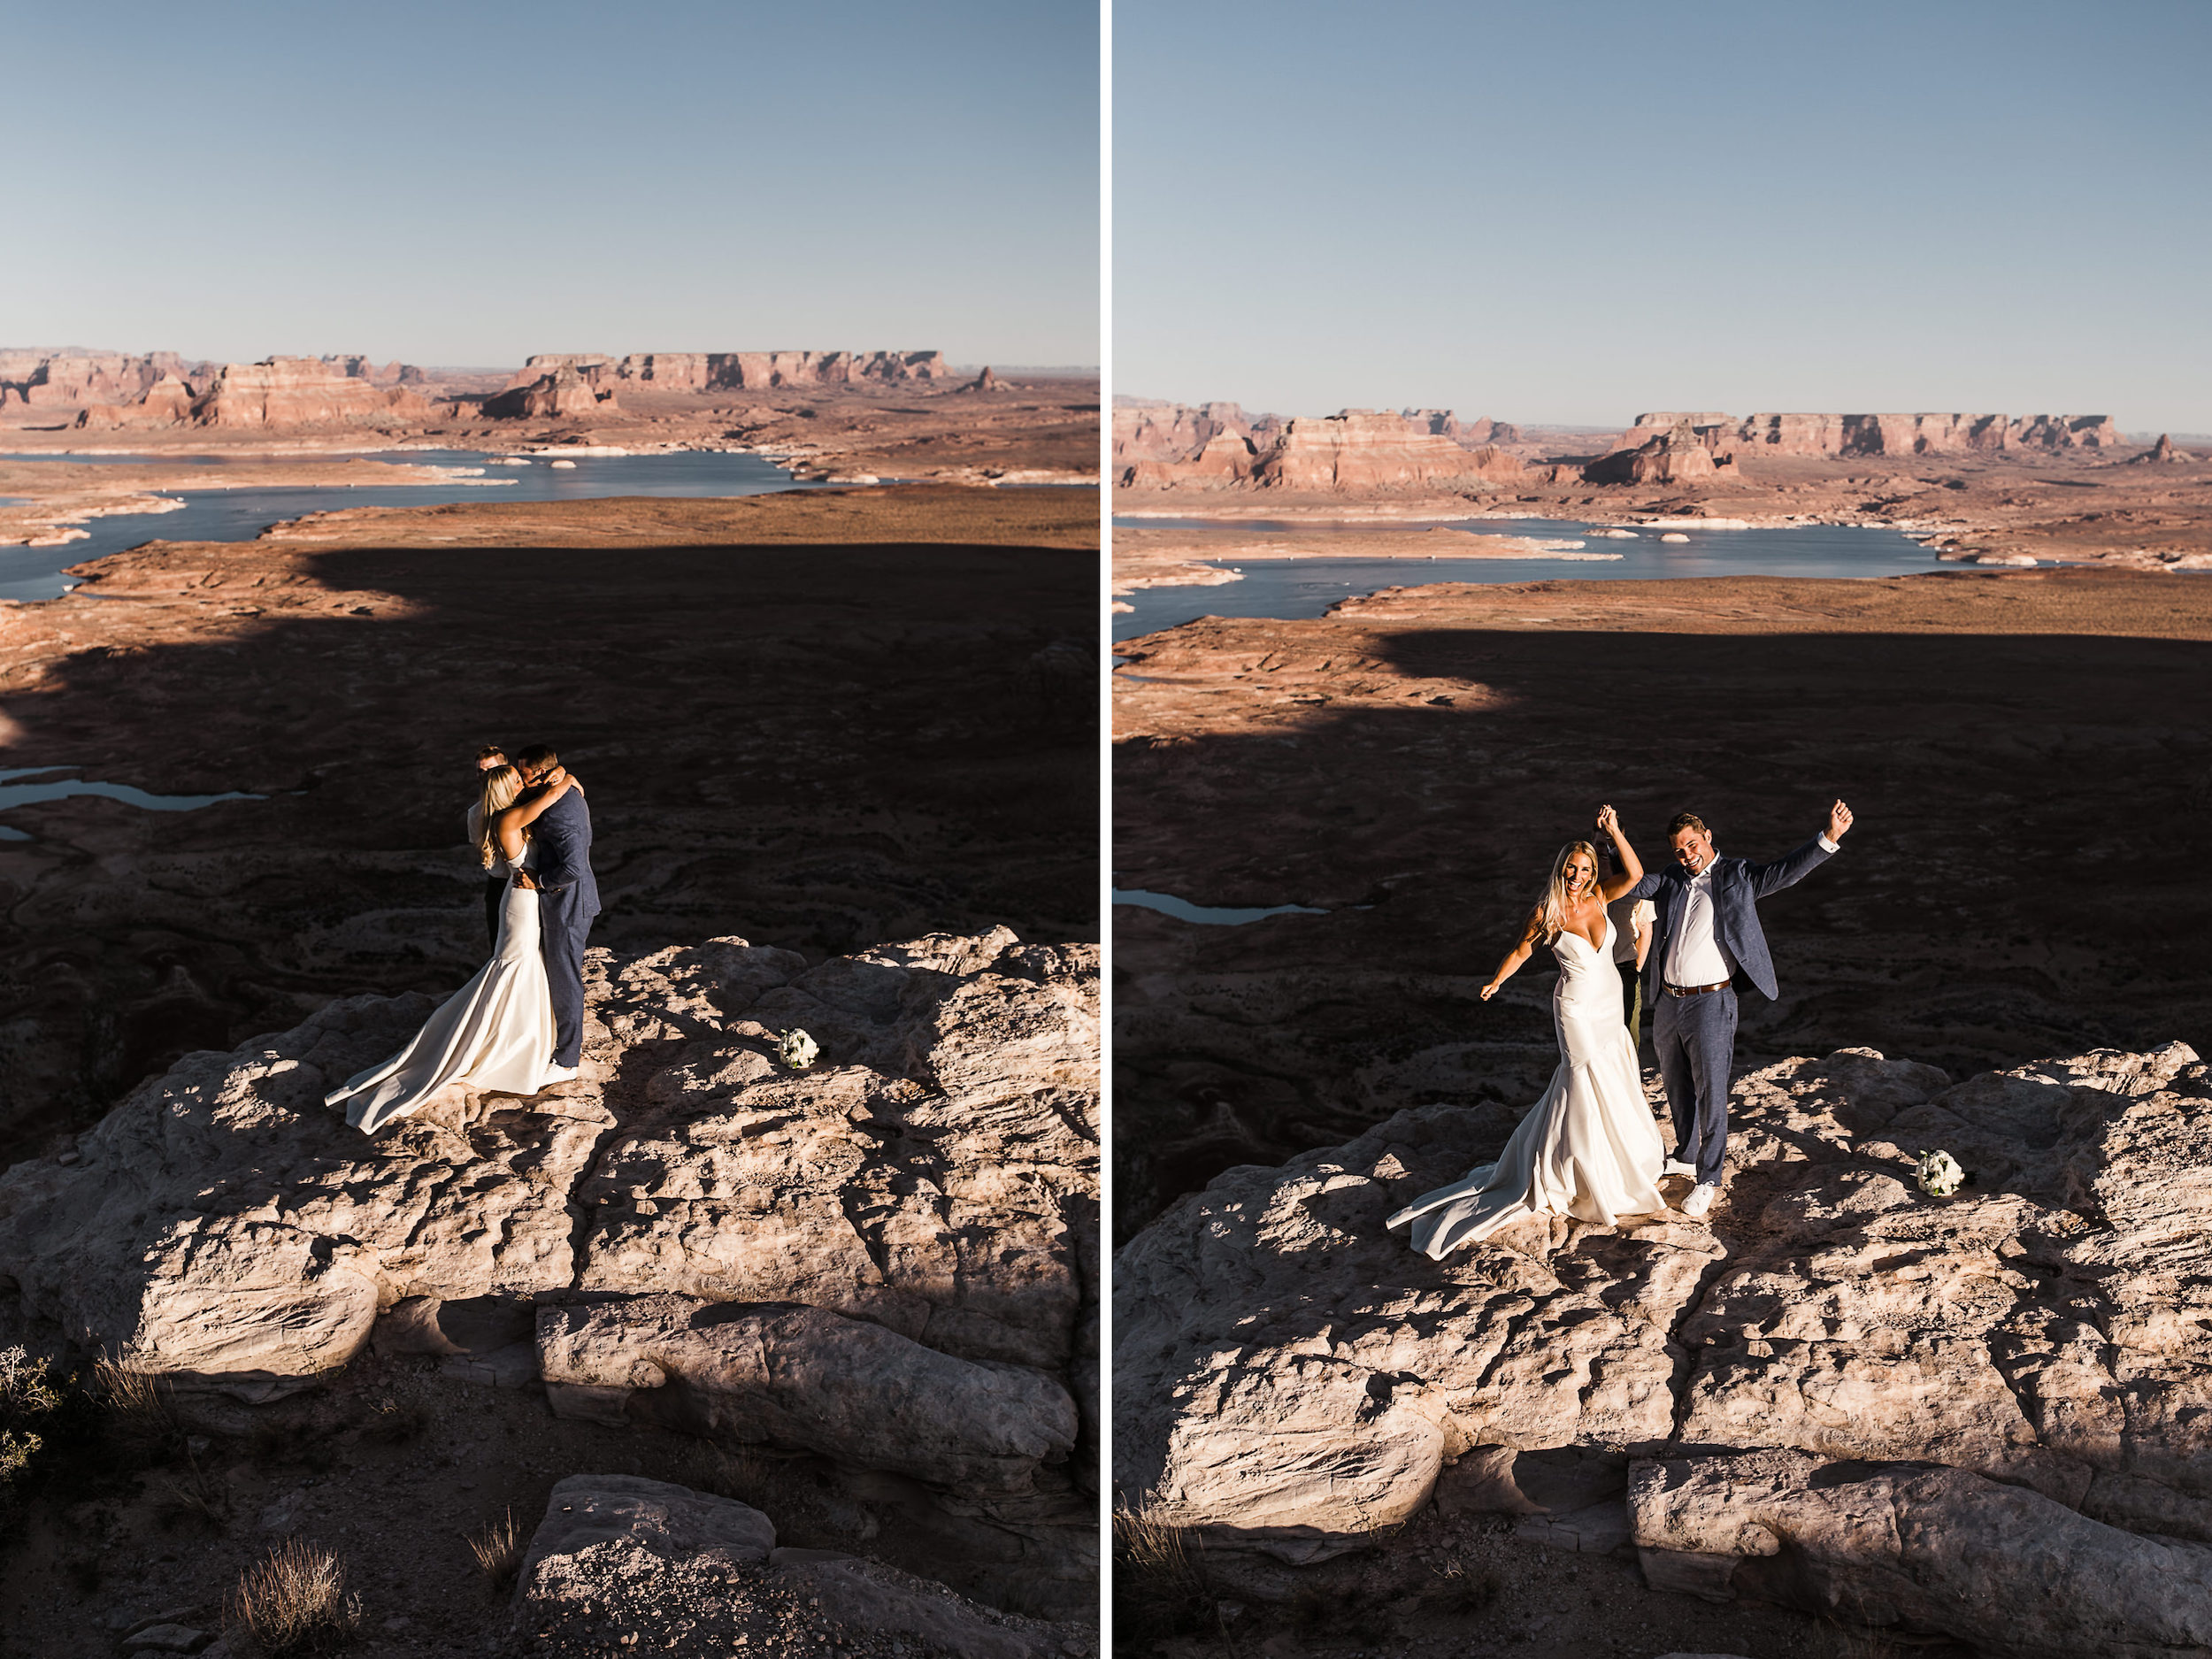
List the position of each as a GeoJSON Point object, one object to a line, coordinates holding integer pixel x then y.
{"type": "Point", "coordinates": [239, 515]}
{"type": "Point", "coordinates": [1307, 588]}
{"type": "Point", "coordinates": [1212, 915]}
{"type": "Point", "coordinates": [52, 783]}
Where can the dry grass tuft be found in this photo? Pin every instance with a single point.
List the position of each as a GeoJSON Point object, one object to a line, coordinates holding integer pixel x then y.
{"type": "Point", "coordinates": [1160, 1583]}
{"type": "Point", "coordinates": [498, 1547]}
{"type": "Point", "coordinates": [140, 1418]}
{"type": "Point", "coordinates": [198, 1495]}
{"type": "Point", "coordinates": [295, 1602]}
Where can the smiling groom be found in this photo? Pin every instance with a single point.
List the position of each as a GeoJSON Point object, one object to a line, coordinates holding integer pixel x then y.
{"type": "Point", "coordinates": [1706, 935]}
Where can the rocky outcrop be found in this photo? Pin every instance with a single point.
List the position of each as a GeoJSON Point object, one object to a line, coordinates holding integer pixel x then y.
{"type": "Point", "coordinates": [50, 378]}
{"type": "Point", "coordinates": [1680, 454]}
{"type": "Point", "coordinates": [563, 395]}
{"type": "Point", "coordinates": [2027, 1363]}
{"type": "Point", "coordinates": [167, 402]}
{"type": "Point", "coordinates": [620, 1564]}
{"type": "Point", "coordinates": [879, 1259]}
{"type": "Point", "coordinates": [1826, 434]}
{"type": "Point", "coordinates": [1370, 450]}
{"type": "Point", "coordinates": [1163, 446]}
{"type": "Point", "coordinates": [303, 392]}
{"type": "Point", "coordinates": [737, 370]}
{"type": "Point", "coordinates": [2162, 453]}
{"type": "Point", "coordinates": [1922, 1546]}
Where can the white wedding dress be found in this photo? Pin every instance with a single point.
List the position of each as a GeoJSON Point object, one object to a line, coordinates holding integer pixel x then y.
{"type": "Point", "coordinates": [495, 1033]}
{"type": "Point", "coordinates": [1589, 1149]}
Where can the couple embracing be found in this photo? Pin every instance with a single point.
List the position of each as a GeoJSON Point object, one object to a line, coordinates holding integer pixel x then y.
{"type": "Point", "coordinates": [1589, 1148]}
{"type": "Point", "coordinates": [517, 1027]}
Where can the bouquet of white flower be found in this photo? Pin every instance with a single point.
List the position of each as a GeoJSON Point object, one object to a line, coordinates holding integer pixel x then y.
{"type": "Point", "coordinates": [1940, 1174]}
{"type": "Point", "coordinates": [796, 1050]}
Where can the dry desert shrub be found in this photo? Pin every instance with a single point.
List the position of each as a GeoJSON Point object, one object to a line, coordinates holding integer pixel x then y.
{"type": "Point", "coordinates": [139, 1418]}
{"type": "Point", "coordinates": [295, 1602]}
{"type": "Point", "coordinates": [498, 1547]}
{"type": "Point", "coordinates": [196, 1495]}
{"type": "Point", "coordinates": [1160, 1585]}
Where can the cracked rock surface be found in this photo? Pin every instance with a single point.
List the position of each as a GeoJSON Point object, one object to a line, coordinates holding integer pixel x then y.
{"type": "Point", "coordinates": [2035, 1351]}
{"type": "Point", "coordinates": [691, 1233]}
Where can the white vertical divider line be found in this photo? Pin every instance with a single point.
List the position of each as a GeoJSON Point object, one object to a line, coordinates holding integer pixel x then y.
{"type": "Point", "coordinates": [1104, 1267]}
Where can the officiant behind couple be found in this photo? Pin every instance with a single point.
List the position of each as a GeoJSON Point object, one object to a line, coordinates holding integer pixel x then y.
{"type": "Point", "coordinates": [517, 1027]}
{"type": "Point", "coordinates": [1589, 1149]}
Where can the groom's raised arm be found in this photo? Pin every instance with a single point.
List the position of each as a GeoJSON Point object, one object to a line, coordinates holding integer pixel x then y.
{"type": "Point", "coordinates": [1796, 865]}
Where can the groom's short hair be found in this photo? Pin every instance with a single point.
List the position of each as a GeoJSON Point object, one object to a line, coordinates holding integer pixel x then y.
{"type": "Point", "coordinates": [1685, 820]}
{"type": "Point", "coordinates": [537, 755]}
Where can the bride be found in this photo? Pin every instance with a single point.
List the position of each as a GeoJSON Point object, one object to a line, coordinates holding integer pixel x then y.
{"type": "Point", "coordinates": [1589, 1149]}
{"type": "Point", "coordinates": [495, 1033]}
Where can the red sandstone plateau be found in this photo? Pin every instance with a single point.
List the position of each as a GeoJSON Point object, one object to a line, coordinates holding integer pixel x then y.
{"type": "Point", "coordinates": [829, 415]}
{"type": "Point", "coordinates": [1978, 488]}
{"type": "Point", "coordinates": [820, 719]}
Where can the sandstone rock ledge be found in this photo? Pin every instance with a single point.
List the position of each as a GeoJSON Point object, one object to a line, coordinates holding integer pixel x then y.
{"type": "Point", "coordinates": [1988, 1416]}
{"type": "Point", "coordinates": [886, 1260]}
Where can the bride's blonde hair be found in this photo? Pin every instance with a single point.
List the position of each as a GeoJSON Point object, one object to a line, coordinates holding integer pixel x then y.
{"type": "Point", "coordinates": [1553, 911]}
{"type": "Point", "coordinates": [502, 785]}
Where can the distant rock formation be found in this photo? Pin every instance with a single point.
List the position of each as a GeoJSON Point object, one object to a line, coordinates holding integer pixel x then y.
{"type": "Point", "coordinates": [1365, 448]}
{"type": "Point", "coordinates": [1679, 454]}
{"type": "Point", "coordinates": [1216, 446]}
{"type": "Point", "coordinates": [737, 370]}
{"type": "Point", "coordinates": [1983, 1414]}
{"type": "Point", "coordinates": [277, 392]}
{"type": "Point", "coordinates": [562, 394]}
{"type": "Point", "coordinates": [44, 378]}
{"type": "Point", "coordinates": [2160, 453]}
{"type": "Point", "coordinates": [985, 382]}
{"type": "Point", "coordinates": [1884, 434]}
{"type": "Point", "coordinates": [303, 392]}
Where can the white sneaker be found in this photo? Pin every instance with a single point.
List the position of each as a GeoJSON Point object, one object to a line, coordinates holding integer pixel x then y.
{"type": "Point", "coordinates": [556, 1074]}
{"type": "Point", "coordinates": [1675, 1166]}
{"type": "Point", "coordinates": [1700, 1200]}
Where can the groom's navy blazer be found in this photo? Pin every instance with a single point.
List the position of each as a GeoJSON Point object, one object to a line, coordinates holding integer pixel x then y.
{"type": "Point", "coordinates": [1738, 887]}
{"type": "Point", "coordinates": [563, 834]}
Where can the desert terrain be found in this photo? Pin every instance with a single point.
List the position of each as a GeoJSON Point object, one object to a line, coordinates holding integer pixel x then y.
{"type": "Point", "coordinates": [822, 720]}
{"type": "Point", "coordinates": [2027, 753]}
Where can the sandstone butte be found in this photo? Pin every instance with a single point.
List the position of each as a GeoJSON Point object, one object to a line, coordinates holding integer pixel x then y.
{"type": "Point", "coordinates": [1986, 1417]}
{"type": "Point", "coordinates": [887, 1261]}
{"type": "Point", "coordinates": [1217, 446]}
{"type": "Point", "coordinates": [161, 389]}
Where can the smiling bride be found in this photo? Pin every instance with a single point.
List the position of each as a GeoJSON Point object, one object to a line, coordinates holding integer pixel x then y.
{"type": "Point", "coordinates": [1589, 1149]}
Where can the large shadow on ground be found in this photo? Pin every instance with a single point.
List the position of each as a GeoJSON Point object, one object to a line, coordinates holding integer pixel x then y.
{"type": "Point", "coordinates": [2026, 878]}
{"type": "Point", "coordinates": [821, 747]}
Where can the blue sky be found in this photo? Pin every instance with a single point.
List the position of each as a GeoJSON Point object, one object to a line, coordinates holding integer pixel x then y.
{"type": "Point", "coordinates": [465, 183]}
{"type": "Point", "coordinates": [1575, 212]}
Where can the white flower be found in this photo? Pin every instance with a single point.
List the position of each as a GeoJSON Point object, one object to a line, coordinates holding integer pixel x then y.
{"type": "Point", "coordinates": [796, 1050]}
{"type": "Point", "coordinates": [1940, 1174]}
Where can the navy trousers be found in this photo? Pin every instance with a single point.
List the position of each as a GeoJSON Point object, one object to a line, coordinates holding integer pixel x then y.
{"type": "Point", "coordinates": [1696, 1040]}
{"type": "Point", "coordinates": [563, 924]}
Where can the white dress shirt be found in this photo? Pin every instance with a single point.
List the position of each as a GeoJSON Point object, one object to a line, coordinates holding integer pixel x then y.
{"type": "Point", "coordinates": [1695, 956]}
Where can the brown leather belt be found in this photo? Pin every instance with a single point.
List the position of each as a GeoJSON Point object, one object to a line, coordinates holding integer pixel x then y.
{"type": "Point", "coordinates": [1693, 990]}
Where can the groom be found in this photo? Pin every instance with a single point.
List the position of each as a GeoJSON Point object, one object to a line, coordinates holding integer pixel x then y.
{"type": "Point", "coordinates": [1706, 935]}
{"type": "Point", "coordinates": [568, 899]}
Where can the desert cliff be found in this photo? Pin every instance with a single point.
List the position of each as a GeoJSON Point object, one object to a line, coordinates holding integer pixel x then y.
{"type": "Point", "coordinates": [875, 1276]}
{"type": "Point", "coordinates": [1976, 1418]}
